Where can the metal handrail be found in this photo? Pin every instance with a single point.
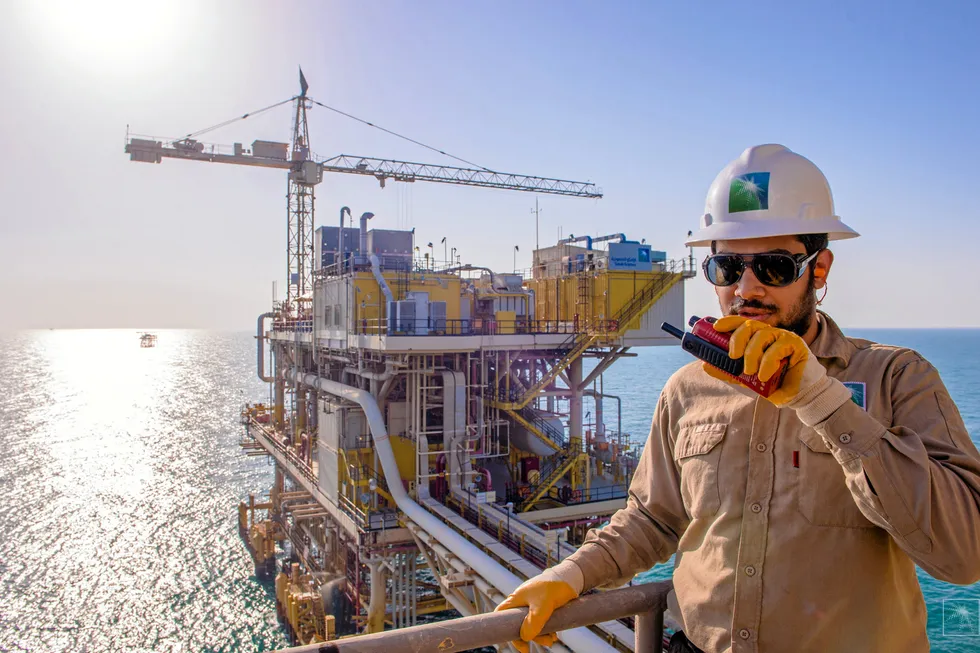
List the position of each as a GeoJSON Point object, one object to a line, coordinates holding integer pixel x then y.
{"type": "Point", "coordinates": [465, 327]}
{"type": "Point", "coordinates": [648, 602]}
{"type": "Point", "coordinates": [527, 550]}
{"type": "Point", "coordinates": [601, 493]}
{"type": "Point", "coordinates": [533, 417]}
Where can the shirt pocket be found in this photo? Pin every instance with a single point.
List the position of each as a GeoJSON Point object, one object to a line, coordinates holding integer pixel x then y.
{"type": "Point", "coordinates": [824, 499]}
{"type": "Point", "coordinates": [698, 454]}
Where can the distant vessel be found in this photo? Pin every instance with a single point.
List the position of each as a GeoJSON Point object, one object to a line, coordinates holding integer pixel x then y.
{"type": "Point", "coordinates": [148, 340]}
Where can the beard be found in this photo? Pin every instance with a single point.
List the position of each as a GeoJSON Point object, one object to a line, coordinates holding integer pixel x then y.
{"type": "Point", "coordinates": [799, 318]}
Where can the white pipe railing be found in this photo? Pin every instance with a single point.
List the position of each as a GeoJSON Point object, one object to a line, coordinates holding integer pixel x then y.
{"type": "Point", "coordinates": [260, 347]}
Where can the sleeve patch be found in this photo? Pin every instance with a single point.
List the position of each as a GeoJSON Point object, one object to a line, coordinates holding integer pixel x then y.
{"type": "Point", "coordinates": [859, 393]}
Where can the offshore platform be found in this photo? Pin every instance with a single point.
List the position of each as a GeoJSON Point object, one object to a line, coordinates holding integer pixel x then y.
{"type": "Point", "coordinates": [428, 419]}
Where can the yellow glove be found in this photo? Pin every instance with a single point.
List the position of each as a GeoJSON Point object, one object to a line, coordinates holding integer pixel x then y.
{"type": "Point", "coordinates": [542, 594]}
{"type": "Point", "coordinates": [805, 386]}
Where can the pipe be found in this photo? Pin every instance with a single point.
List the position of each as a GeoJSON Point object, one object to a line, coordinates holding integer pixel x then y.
{"type": "Point", "coordinates": [376, 269]}
{"type": "Point", "coordinates": [260, 347]}
{"type": "Point", "coordinates": [601, 239]}
{"type": "Point", "coordinates": [619, 407]}
{"type": "Point", "coordinates": [589, 241]}
{"type": "Point", "coordinates": [374, 376]}
{"type": "Point", "coordinates": [340, 240]}
{"type": "Point", "coordinates": [600, 428]}
{"type": "Point", "coordinates": [468, 267]}
{"type": "Point", "coordinates": [454, 428]}
{"type": "Point", "coordinates": [385, 389]}
{"type": "Point", "coordinates": [580, 639]}
{"type": "Point", "coordinates": [362, 241]}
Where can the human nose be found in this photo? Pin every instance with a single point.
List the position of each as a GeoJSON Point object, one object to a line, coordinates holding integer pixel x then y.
{"type": "Point", "coordinates": [749, 287]}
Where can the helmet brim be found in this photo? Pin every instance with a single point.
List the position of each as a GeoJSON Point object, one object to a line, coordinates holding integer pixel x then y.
{"type": "Point", "coordinates": [832, 226]}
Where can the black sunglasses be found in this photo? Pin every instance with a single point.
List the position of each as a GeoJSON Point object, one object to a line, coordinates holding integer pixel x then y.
{"type": "Point", "coordinates": [776, 270]}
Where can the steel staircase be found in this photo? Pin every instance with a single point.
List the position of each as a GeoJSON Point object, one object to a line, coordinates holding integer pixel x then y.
{"type": "Point", "coordinates": [552, 471]}
{"type": "Point", "coordinates": [578, 343]}
{"type": "Point", "coordinates": [540, 427]}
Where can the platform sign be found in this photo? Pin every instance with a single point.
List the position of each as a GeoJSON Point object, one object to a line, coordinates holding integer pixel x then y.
{"type": "Point", "coordinates": [630, 256]}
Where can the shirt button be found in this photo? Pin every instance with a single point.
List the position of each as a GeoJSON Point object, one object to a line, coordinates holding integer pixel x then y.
{"type": "Point", "coordinates": [744, 633]}
{"type": "Point", "coordinates": [750, 571]}
{"type": "Point", "coordinates": [760, 447]}
{"type": "Point", "coordinates": [844, 438]}
{"type": "Point", "coordinates": [756, 508]}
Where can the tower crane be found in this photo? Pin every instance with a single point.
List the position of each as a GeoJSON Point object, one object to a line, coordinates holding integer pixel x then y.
{"type": "Point", "coordinates": [305, 172]}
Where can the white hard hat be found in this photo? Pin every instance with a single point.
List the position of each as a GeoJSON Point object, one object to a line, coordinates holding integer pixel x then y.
{"type": "Point", "coordinates": [769, 191]}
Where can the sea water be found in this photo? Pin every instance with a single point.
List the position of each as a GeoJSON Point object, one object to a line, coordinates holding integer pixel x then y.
{"type": "Point", "coordinates": [120, 473]}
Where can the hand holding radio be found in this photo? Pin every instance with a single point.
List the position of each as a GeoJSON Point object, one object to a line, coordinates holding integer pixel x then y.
{"type": "Point", "coordinates": [712, 347]}
{"type": "Point", "coordinates": [767, 351]}
{"type": "Point", "coordinates": [772, 362]}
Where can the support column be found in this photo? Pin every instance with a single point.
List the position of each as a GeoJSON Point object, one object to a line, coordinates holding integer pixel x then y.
{"type": "Point", "coordinates": [300, 413]}
{"type": "Point", "coordinates": [575, 404]}
{"type": "Point", "coordinates": [376, 606]}
{"type": "Point", "coordinates": [280, 389]}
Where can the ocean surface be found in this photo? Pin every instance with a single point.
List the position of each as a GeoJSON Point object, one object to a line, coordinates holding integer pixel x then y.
{"type": "Point", "coordinates": [120, 474]}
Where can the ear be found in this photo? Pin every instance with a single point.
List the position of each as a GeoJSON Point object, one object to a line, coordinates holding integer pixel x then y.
{"type": "Point", "coordinates": [821, 268]}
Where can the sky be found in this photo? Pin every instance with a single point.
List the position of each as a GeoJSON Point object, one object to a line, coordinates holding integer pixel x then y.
{"type": "Point", "coordinates": [649, 100]}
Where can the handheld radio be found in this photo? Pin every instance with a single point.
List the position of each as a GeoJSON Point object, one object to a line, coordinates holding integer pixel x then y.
{"type": "Point", "coordinates": [712, 347]}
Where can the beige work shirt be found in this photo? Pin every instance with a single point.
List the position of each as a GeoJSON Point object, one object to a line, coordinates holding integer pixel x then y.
{"type": "Point", "coordinates": [790, 538]}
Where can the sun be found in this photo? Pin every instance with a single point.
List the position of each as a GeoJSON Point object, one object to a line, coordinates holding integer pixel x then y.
{"type": "Point", "coordinates": [112, 35]}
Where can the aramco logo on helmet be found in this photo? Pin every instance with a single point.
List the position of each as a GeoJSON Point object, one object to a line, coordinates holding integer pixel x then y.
{"type": "Point", "coordinates": [749, 192]}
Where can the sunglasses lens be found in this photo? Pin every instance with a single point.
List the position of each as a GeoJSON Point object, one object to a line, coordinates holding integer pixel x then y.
{"type": "Point", "coordinates": [723, 270]}
{"type": "Point", "coordinates": [774, 269]}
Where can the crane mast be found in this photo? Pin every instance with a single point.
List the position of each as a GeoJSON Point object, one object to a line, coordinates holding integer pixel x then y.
{"type": "Point", "coordinates": [300, 203]}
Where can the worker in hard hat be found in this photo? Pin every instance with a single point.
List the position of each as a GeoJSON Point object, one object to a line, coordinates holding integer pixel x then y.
{"type": "Point", "coordinates": [797, 520]}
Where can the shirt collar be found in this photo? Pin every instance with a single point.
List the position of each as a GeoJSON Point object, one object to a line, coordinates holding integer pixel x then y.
{"type": "Point", "coordinates": [831, 341]}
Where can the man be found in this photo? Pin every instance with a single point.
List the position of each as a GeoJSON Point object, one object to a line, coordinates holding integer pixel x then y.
{"type": "Point", "coordinates": [797, 519]}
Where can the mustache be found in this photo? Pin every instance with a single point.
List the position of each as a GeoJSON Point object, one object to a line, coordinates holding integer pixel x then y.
{"type": "Point", "coordinates": [739, 303]}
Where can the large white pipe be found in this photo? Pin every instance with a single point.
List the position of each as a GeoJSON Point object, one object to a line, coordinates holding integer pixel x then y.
{"type": "Point", "coordinates": [454, 429]}
{"type": "Point", "coordinates": [376, 269]}
{"type": "Point", "coordinates": [579, 639]}
{"type": "Point", "coordinates": [376, 376]}
{"type": "Point", "coordinates": [362, 236]}
{"type": "Point", "coordinates": [340, 241]}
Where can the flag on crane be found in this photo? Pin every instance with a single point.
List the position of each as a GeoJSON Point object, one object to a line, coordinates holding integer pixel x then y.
{"type": "Point", "coordinates": [302, 83]}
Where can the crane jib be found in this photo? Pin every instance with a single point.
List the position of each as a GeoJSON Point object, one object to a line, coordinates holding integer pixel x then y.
{"type": "Point", "coordinates": [153, 151]}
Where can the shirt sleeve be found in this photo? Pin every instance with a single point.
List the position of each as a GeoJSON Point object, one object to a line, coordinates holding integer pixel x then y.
{"type": "Point", "coordinates": [919, 479]}
{"type": "Point", "coordinates": [647, 530]}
